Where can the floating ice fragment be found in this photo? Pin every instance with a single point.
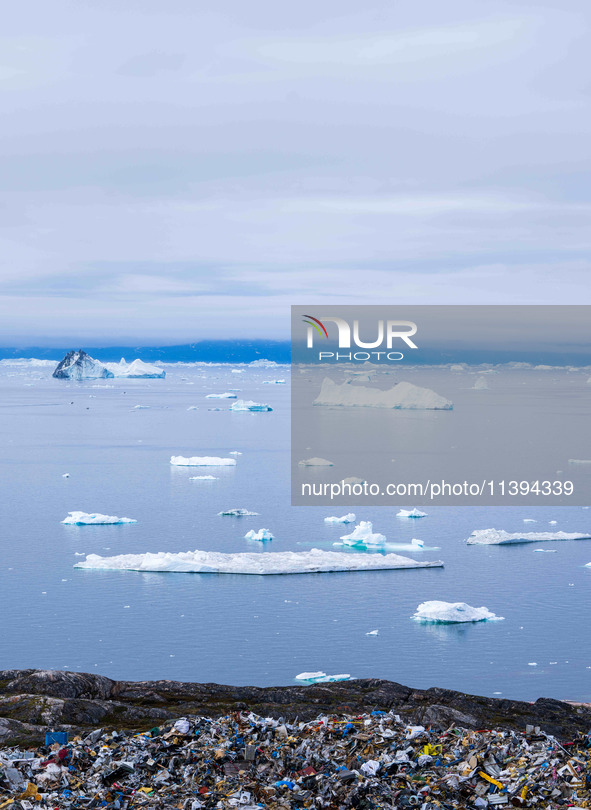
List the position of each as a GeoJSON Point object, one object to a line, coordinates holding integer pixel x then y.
{"type": "Point", "coordinates": [453, 613]}
{"type": "Point", "coordinates": [87, 519]}
{"type": "Point", "coordinates": [413, 513]}
{"type": "Point", "coordinates": [225, 395]}
{"type": "Point", "coordinates": [416, 542]}
{"type": "Point", "coordinates": [141, 407]}
{"type": "Point", "coordinates": [135, 370]}
{"type": "Point", "coordinates": [192, 408]}
{"type": "Point", "coordinates": [481, 384]}
{"type": "Point", "coordinates": [403, 395]}
{"type": "Point", "coordinates": [529, 520]}
{"type": "Point", "coordinates": [258, 563]}
{"type": "Point", "coordinates": [363, 535]}
{"type": "Point", "coordinates": [315, 462]}
{"type": "Point", "coordinates": [203, 478]}
{"type": "Point", "coordinates": [202, 461]}
{"type": "Point", "coordinates": [553, 522]}
{"type": "Point", "coordinates": [353, 480]}
{"type": "Point", "coordinates": [579, 461]}
{"type": "Point", "coordinates": [499, 537]}
{"type": "Point", "coordinates": [238, 513]}
{"type": "Point", "coordinates": [533, 664]}
{"type": "Point", "coordinates": [66, 475]}
{"type": "Point", "coordinates": [249, 405]}
{"type": "Point", "coordinates": [348, 518]}
{"type": "Point", "coordinates": [373, 633]}
{"type": "Point", "coordinates": [544, 551]}
{"type": "Point", "coordinates": [262, 534]}
{"type": "Point", "coordinates": [235, 453]}
{"type": "Point", "coordinates": [273, 382]}
{"type": "Point", "coordinates": [320, 677]}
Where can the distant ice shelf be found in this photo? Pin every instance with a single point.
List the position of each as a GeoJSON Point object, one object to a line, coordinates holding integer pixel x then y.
{"type": "Point", "coordinates": [94, 518]}
{"type": "Point", "coordinates": [498, 537]}
{"type": "Point", "coordinates": [202, 461]}
{"type": "Point", "coordinates": [453, 613]}
{"type": "Point", "coordinates": [315, 561]}
{"type": "Point", "coordinates": [403, 395]}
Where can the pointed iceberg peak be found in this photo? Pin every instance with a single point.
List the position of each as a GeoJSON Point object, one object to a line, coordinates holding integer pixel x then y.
{"type": "Point", "coordinates": [78, 365]}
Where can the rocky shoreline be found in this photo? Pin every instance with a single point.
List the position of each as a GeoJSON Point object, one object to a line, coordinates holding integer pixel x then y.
{"type": "Point", "coordinates": [32, 701]}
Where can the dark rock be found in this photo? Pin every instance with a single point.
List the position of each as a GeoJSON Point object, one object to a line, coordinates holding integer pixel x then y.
{"type": "Point", "coordinates": [78, 365]}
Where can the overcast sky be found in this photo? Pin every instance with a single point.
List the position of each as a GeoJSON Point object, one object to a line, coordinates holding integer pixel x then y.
{"type": "Point", "coordinates": [171, 171]}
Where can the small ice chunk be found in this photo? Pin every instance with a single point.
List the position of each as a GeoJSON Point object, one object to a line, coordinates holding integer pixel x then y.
{"type": "Point", "coordinates": [237, 512]}
{"type": "Point", "coordinates": [88, 519]}
{"type": "Point", "coordinates": [273, 382]}
{"type": "Point", "coordinates": [66, 475]}
{"type": "Point", "coordinates": [413, 513]}
{"type": "Point", "coordinates": [235, 453]}
{"type": "Point", "coordinates": [203, 478]}
{"type": "Point", "coordinates": [373, 633]}
{"type": "Point", "coordinates": [363, 535]}
{"type": "Point", "coordinates": [315, 462]}
{"type": "Point", "coordinates": [452, 613]}
{"type": "Point", "coordinates": [544, 550]}
{"type": "Point", "coordinates": [353, 480]}
{"type": "Point", "coordinates": [579, 461]}
{"type": "Point", "coordinates": [499, 537]}
{"type": "Point", "coordinates": [225, 395]}
{"type": "Point", "coordinates": [529, 520]}
{"type": "Point", "coordinates": [249, 405]}
{"type": "Point", "coordinates": [141, 407]}
{"type": "Point", "coordinates": [202, 461]}
{"type": "Point", "coordinates": [320, 677]}
{"type": "Point", "coordinates": [533, 664]}
{"type": "Point", "coordinates": [481, 384]}
{"type": "Point", "coordinates": [553, 522]}
{"type": "Point", "coordinates": [262, 534]}
{"type": "Point", "coordinates": [416, 542]}
{"type": "Point", "coordinates": [192, 408]}
{"type": "Point", "coordinates": [348, 518]}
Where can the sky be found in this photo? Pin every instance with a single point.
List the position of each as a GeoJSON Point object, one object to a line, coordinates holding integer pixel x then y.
{"type": "Point", "coordinates": [177, 171]}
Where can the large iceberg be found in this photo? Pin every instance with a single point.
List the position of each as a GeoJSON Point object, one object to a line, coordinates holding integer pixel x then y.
{"type": "Point", "coordinates": [136, 370]}
{"type": "Point", "coordinates": [262, 534]}
{"type": "Point", "coordinates": [412, 513]}
{"type": "Point", "coordinates": [363, 535]}
{"type": "Point", "coordinates": [403, 395]}
{"type": "Point", "coordinates": [315, 561]}
{"type": "Point", "coordinates": [498, 537]}
{"type": "Point", "coordinates": [94, 518]}
{"type": "Point", "coordinates": [453, 612]}
{"type": "Point", "coordinates": [77, 365]}
{"type": "Point", "coordinates": [202, 461]}
{"type": "Point", "coordinates": [249, 405]}
{"type": "Point", "coordinates": [348, 518]}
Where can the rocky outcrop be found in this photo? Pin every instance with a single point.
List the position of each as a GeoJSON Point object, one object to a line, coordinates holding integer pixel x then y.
{"type": "Point", "coordinates": [33, 700]}
{"type": "Point", "coordinates": [77, 365]}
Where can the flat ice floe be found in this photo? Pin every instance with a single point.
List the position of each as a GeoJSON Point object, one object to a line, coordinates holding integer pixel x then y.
{"type": "Point", "coordinates": [348, 518]}
{"type": "Point", "coordinates": [314, 561]}
{"type": "Point", "coordinates": [363, 535]}
{"type": "Point", "coordinates": [249, 405]}
{"type": "Point", "coordinates": [225, 395]}
{"type": "Point", "coordinates": [453, 613]}
{"type": "Point", "coordinates": [498, 537]}
{"type": "Point", "coordinates": [579, 461]}
{"type": "Point", "coordinates": [202, 461]}
{"type": "Point", "coordinates": [403, 395]}
{"type": "Point", "coordinates": [273, 382]}
{"type": "Point", "coordinates": [315, 462]}
{"type": "Point", "coordinates": [237, 512]}
{"type": "Point", "coordinates": [203, 478]}
{"type": "Point", "coordinates": [262, 534]}
{"type": "Point", "coordinates": [321, 677]}
{"type": "Point", "coordinates": [412, 513]}
{"type": "Point", "coordinates": [94, 518]}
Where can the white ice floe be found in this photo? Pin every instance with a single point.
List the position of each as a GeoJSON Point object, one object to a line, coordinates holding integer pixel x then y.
{"type": "Point", "coordinates": [499, 537]}
{"type": "Point", "coordinates": [66, 475]}
{"type": "Point", "coordinates": [273, 382]}
{"type": "Point", "coordinates": [352, 480]}
{"type": "Point", "coordinates": [237, 512]}
{"type": "Point", "coordinates": [78, 365]}
{"type": "Point", "coordinates": [135, 370]}
{"type": "Point", "coordinates": [403, 395]}
{"type": "Point", "coordinates": [315, 462]}
{"type": "Point", "coordinates": [363, 535]}
{"type": "Point", "coordinates": [579, 461]}
{"type": "Point", "coordinates": [348, 518]}
{"type": "Point", "coordinates": [529, 520]}
{"type": "Point", "coordinates": [202, 461]}
{"type": "Point", "coordinates": [203, 478]}
{"type": "Point", "coordinates": [373, 633]}
{"type": "Point", "coordinates": [235, 452]}
{"type": "Point", "coordinates": [192, 408]}
{"type": "Point", "coordinates": [321, 677]}
{"type": "Point", "coordinates": [88, 519]}
{"type": "Point", "coordinates": [141, 407]}
{"type": "Point", "coordinates": [258, 563]}
{"type": "Point", "coordinates": [416, 542]}
{"type": "Point", "coordinates": [413, 513]}
{"type": "Point", "coordinates": [262, 534]}
{"type": "Point", "coordinates": [225, 395]}
{"type": "Point", "coordinates": [249, 405]}
{"type": "Point", "coordinates": [481, 384]}
{"type": "Point", "coordinates": [544, 551]}
{"type": "Point", "coordinates": [453, 613]}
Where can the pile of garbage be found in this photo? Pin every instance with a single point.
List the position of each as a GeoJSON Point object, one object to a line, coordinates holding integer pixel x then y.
{"type": "Point", "coordinates": [368, 761]}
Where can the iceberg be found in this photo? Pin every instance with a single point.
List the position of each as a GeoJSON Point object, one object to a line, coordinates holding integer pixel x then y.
{"type": "Point", "coordinates": [363, 535]}
{"type": "Point", "coordinates": [579, 461]}
{"type": "Point", "coordinates": [498, 537]}
{"type": "Point", "coordinates": [202, 461]}
{"type": "Point", "coordinates": [225, 395]}
{"type": "Point", "coordinates": [273, 382]}
{"type": "Point", "coordinates": [136, 370]}
{"type": "Point", "coordinates": [453, 613]}
{"type": "Point", "coordinates": [94, 518]}
{"type": "Point", "coordinates": [403, 395]}
{"type": "Point", "coordinates": [315, 561]}
{"type": "Point", "coordinates": [262, 534]}
{"type": "Point", "coordinates": [353, 480]}
{"type": "Point", "coordinates": [481, 384]}
{"type": "Point", "coordinates": [77, 365]}
{"type": "Point", "coordinates": [203, 478]}
{"type": "Point", "coordinates": [349, 518]}
{"type": "Point", "coordinates": [321, 677]}
{"type": "Point", "coordinates": [315, 462]}
{"type": "Point", "coordinates": [238, 513]}
{"type": "Point", "coordinates": [413, 513]}
{"type": "Point", "coordinates": [249, 405]}
{"type": "Point", "coordinates": [418, 543]}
